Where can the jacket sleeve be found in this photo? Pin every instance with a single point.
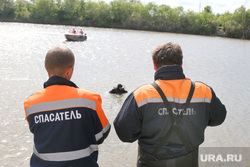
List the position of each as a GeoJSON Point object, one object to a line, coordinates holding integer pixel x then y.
{"type": "Point", "coordinates": [128, 122]}
{"type": "Point", "coordinates": [102, 125]}
{"type": "Point", "coordinates": [218, 111]}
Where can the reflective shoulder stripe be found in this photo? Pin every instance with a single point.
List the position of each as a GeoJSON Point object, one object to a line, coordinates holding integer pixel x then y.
{"type": "Point", "coordinates": [99, 135]}
{"type": "Point", "coordinates": [201, 100]}
{"type": "Point", "coordinates": [150, 100]}
{"type": "Point", "coordinates": [175, 100]}
{"type": "Point", "coordinates": [147, 94]}
{"type": "Point", "coordinates": [66, 156]}
{"type": "Point", "coordinates": [67, 103]}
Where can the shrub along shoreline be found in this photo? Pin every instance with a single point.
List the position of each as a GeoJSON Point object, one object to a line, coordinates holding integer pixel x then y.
{"type": "Point", "coordinates": [128, 15]}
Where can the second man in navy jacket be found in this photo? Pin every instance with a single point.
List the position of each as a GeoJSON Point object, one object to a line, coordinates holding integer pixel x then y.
{"type": "Point", "coordinates": [145, 118]}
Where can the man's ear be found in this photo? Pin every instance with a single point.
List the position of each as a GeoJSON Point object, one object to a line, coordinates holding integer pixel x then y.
{"type": "Point", "coordinates": [154, 65]}
{"type": "Point", "coordinates": [69, 72]}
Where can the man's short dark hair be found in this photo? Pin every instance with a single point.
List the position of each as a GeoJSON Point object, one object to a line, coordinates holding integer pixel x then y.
{"type": "Point", "coordinates": [167, 54]}
{"type": "Point", "coordinates": [58, 59]}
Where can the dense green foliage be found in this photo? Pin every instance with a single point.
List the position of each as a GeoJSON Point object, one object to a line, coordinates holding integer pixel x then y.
{"type": "Point", "coordinates": [128, 15]}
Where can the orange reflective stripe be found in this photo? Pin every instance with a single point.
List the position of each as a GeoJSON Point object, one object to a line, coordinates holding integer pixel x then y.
{"type": "Point", "coordinates": [99, 135]}
{"type": "Point", "coordinates": [202, 91]}
{"type": "Point", "coordinates": [175, 91]}
{"type": "Point", "coordinates": [101, 114]}
{"type": "Point", "coordinates": [175, 88]}
{"type": "Point", "coordinates": [145, 92]}
{"type": "Point", "coordinates": [61, 104]}
{"type": "Point", "coordinates": [61, 92]}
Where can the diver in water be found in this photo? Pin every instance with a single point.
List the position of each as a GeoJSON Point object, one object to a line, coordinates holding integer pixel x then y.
{"type": "Point", "coordinates": [118, 90]}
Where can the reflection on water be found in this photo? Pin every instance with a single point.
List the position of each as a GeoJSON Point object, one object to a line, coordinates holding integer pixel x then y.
{"type": "Point", "coordinates": [109, 57]}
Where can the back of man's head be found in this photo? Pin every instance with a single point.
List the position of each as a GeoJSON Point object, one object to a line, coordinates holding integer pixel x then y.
{"type": "Point", "coordinates": [58, 60]}
{"type": "Point", "coordinates": [167, 54]}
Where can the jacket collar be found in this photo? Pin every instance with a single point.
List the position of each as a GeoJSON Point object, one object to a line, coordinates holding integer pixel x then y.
{"type": "Point", "coordinates": [169, 72]}
{"type": "Point", "coordinates": [56, 80]}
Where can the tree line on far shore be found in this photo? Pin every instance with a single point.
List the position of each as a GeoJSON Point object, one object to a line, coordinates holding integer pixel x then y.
{"type": "Point", "coordinates": [130, 14]}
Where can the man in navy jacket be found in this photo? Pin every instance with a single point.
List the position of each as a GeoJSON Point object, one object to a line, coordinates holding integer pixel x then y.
{"type": "Point", "coordinates": [68, 123]}
{"type": "Point", "coordinates": [169, 136]}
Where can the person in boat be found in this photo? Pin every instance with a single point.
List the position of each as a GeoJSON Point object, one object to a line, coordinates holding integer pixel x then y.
{"type": "Point", "coordinates": [68, 123]}
{"type": "Point", "coordinates": [81, 32]}
{"type": "Point", "coordinates": [169, 116]}
{"type": "Point", "coordinates": [118, 90]}
{"type": "Point", "coordinates": [74, 31]}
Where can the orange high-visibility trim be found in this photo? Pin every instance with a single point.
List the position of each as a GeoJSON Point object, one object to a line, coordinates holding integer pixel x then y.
{"type": "Point", "coordinates": [62, 92]}
{"type": "Point", "coordinates": [178, 89]}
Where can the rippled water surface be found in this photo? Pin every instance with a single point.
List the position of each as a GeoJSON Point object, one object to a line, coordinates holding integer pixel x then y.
{"type": "Point", "coordinates": [109, 57]}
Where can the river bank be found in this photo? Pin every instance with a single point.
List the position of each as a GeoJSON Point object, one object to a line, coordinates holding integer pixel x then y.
{"type": "Point", "coordinates": [130, 15]}
{"type": "Point", "coordinates": [219, 33]}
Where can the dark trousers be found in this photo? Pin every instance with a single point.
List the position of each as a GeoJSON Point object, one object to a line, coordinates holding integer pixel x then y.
{"type": "Point", "coordinates": [147, 160]}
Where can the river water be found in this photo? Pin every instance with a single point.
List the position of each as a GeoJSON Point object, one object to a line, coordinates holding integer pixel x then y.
{"type": "Point", "coordinates": [109, 57]}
